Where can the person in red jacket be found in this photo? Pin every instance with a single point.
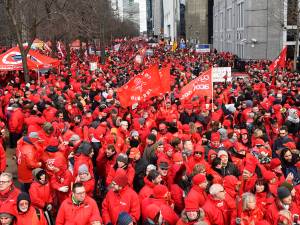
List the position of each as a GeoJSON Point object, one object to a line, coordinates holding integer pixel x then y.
{"type": "Point", "coordinates": [120, 198]}
{"type": "Point", "coordinates": [251, 214]}
{"type": "Point", "coordinates": [27, 214]}
{"type": "Point", "coordinates": [162, 198]}
{"type": "Point", "coordinates": [86, 179]}
{"type": "Point", "coordinates": [60, 179]}
{"type": "Point", "coordinates": [152, 179]}
{"type": "Point", "coordinates": [197, 193]}
{"type": "Point", "coordinates": [78, 209]}
{"type": "Point", "coordinates": [2, 159]}
{"type": "Point", "coordinates": [284, 201]}
{"type": "Point", "coordinates": [192, 214]}
{"type": "Point", "coordinates": [15, 125]}
{"type": "Point", "coordinates": [8, 192]}
{"type": "Point", "coordinates": [122, 163]}
{"type": "Point", "coordinates": [7, 215]}
{"type": "Point", "coordinates": [215, 207]}
{"type": "Point", "coordinates": [105, 160]}
{"type": "Point", "coordinates": [40, 191]}
{"type": "Point", "coordinates": [83, 155]}
{"type": "Point", "coordinates": [27, 159]}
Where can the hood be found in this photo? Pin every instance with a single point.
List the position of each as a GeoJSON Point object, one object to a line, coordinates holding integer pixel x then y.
{"type": "Point", "coordinates": [230, 183]}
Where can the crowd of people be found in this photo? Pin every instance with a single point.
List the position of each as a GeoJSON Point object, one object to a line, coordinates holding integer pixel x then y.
{"type": "Point", "coordinates": [84, 159]}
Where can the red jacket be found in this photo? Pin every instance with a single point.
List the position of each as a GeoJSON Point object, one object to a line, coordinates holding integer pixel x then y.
{"type": "Point", "coordinates": [124, 201]}
{"type": "Point", "coordinates": [216, 211]}
{"type": "Point", "coordinates": [197, 195]}
{"type": "Point", "coordinates": [84, 214]}
{"type": "Point", "coordinates": [27, 160]}
{"type": "Point", "coordinates": [83, 159]}
{"type": "Point", "coordinates": [129, 173]}
{"type": "Point", "coordinates": [40, 194]}
{"type": "Point", "coordinates": [31, 217]}
{"type": "Point", "coordinates": [177, 195]}
{"type": "Point", "coordinates": [104, 164]}
{"type": "Point", "coordinates": [2, 159]}
{"type": "Point", "coordinates": [251, 217]}
{"type": "Point", "coordinates": [167, 212]}
{"type": "Point", "coordinates": [9, 196]}
{"type": "Point", "coordinates": [16, 121]}
{"type": "Point", "coordinates": [147, 190]}
{"type": "Point", "coordinates": [49, 113]}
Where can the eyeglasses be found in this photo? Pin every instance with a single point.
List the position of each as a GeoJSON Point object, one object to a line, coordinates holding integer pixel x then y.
{"type": "Point", "coordinates": [164, 168]}
{"type": "Point", "coordinates": [4, 182]}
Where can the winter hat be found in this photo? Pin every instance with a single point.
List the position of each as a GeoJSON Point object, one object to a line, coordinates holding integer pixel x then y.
{"type": "Point", "coordinates": [152, 137]}
{"type": "Point", "coordinates": [74, 137]}
{"type": "Point", "coordinates": [287, 185]}
{"type": "Point", "coordinates": [159, 191]}
{"type": "Point", "coordinates": [274, 163]}
{"type": "Point", "coordinates": [249, 103]}
{"type": "Point", "coordinates": [283, 192]}
{"type": "Point", "coordinates": [199, 179]}
{"type": "Point", "coordinates": [215, 137]}
{"type": "Point", "coordinates": [37, 173]}
{"type": "Point", "coordinates": [150, 167]}
{"type": "Point", "coordinates": [259, 141]}
{"type": "Point", "coordinates": [221, 153]}
{"type": "Point", "coordinates": [83, 169]}
{"type": "Point", "coordinates": [163, 165]}
{"type": "Point", "coordinates": [223, 133]}
{"type": "Point", "coordinates": [244, 131]}
{"type": "Point", "coordinates": [124, 219]}
{"type": "Point", "coordinates": [191, 206]}
{"type": "Point", "coordinates": [23, 196]}
{"type": "Point", "coordinates": [33, 135]}
{"type": "Point", "coordinates": [122, 158]}
{"type": "Point", "coordinates": [134, 133]}
{"type": "Point", "coordinates": [7, 211]}
{"type": "Point", "coordinates": [121, 180]}
{"type": "Point", "coordinates": [290, 145]}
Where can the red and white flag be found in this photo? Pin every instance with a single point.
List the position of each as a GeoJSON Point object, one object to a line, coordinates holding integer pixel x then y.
{"type": "Point", "coordinates": [280, 61]}
{"type": "Point", "coordinates": [165, 79]}
{"type": "Point", "coordinates": [201, 86]}
{"type": "Point", "coordinates": [141, 87]}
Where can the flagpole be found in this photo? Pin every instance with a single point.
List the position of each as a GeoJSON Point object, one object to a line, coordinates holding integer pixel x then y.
{"type": "Point", "coordinates": [39, 82]}
{"type": "Point", "coordinates": [212, 91]}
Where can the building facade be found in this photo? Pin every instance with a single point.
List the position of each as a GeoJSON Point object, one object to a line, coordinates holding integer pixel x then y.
{"type": "Point", "coordinates": [252, 29]}
{"type": "Point", "coordinates": [171, 17]}
{"type": "Point", "coordinates": [196, 17]}
{"type": "Point", "coordinates": [157, 17]}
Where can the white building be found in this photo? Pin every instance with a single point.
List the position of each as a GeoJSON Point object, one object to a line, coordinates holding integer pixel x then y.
{"type": "Point", "coordinates": [171, 16]}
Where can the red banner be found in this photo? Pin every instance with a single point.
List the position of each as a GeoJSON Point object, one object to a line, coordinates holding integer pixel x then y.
{"type": "Point", "coordinates": [280, 61]}
{"type": "Point", "coordinates": [141, 87]}
{"type": "Point", "coordinates": [165, 79]}
{"type": "Point", "coordinates": [201, 86]}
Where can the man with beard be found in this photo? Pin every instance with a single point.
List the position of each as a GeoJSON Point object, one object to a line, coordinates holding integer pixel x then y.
{"type": "Point", "coordinates": [278, 143]}
{"type": "Point", "coordinates": [120, 198]}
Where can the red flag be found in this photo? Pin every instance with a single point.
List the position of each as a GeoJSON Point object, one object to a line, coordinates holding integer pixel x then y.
{"type": "Point", "coordinates": [201, 86]}
{"type": "Point", "coordinates": [141, 87]}
{"type": "Point", "coordinates": [280, 61]}
{"type": "Point", "coordinates": [165, 79]}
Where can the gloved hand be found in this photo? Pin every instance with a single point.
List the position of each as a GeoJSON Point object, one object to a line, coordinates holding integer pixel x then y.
{"type": "Point", "coordinates": [64, 189]}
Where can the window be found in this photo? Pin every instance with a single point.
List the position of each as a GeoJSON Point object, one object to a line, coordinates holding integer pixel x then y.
{"type": "Point", "coordinates": [240, 15]}
{"type": "Point", "coordinates": [229, 19]}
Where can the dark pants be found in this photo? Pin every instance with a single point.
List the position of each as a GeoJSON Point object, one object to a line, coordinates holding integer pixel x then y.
{"type": "Point", "coordinates": [13, 139]}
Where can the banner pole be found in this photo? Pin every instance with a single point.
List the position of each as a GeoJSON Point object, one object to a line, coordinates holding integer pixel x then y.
{"type": "Point", "coordinates": [212, 91]}
{"type": "Point", "coordinates": [39, 81]}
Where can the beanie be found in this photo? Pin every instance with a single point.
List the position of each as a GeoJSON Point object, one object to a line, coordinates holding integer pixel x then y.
{"type": "Point", "coordinates": [274, 163]}
{"type": "Point", "coordinates": [283, 192]}
{"type": "Point", "coordinates": [83, 169]}
{"type": "Point", "coordinates": [124, 219]}
{"type": "Point", "coordinates": [287, 185]}
{"type": "Point", "coordinates": [121, 180]}
{"type": "Point", "coordinates": [215, 137]}
{"type": "Point", "coordinates": [122, 158]}
{"type": "Point", "coordinates": [199, 179]}
{"type": "Point", "coordinates": [159, 191]}
{"type": "Point", "coordinates": [23, 196]}
{"type": "Point", "coordinates": [221, 153]}
{"type": "Point", "coordinates": [191, 206]}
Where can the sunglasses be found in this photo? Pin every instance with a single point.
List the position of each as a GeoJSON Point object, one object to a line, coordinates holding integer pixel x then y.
{"type": "Point", "coordinates": [198, 153]}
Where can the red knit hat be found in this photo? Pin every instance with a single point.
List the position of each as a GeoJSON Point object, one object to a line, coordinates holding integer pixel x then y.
{"type": "Point", "coordinates": [259, 141]}
{"type": "Point", "coordinates": [199, 179]}
{"type": "Point", "coordinates": [159, 191]}
{"type": "Point", "coordinates": [274, 163]}
{"type": "Point", "coordinates": [121, 180]}
{"type": "Point", "coordinates": [290, 145]}
{"type": "Point", "coordinates": [215, 137]}
{"type": "Point", "coordinates": [53, 142]}
{"type": "Point", "coordinates": [191, 206]}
